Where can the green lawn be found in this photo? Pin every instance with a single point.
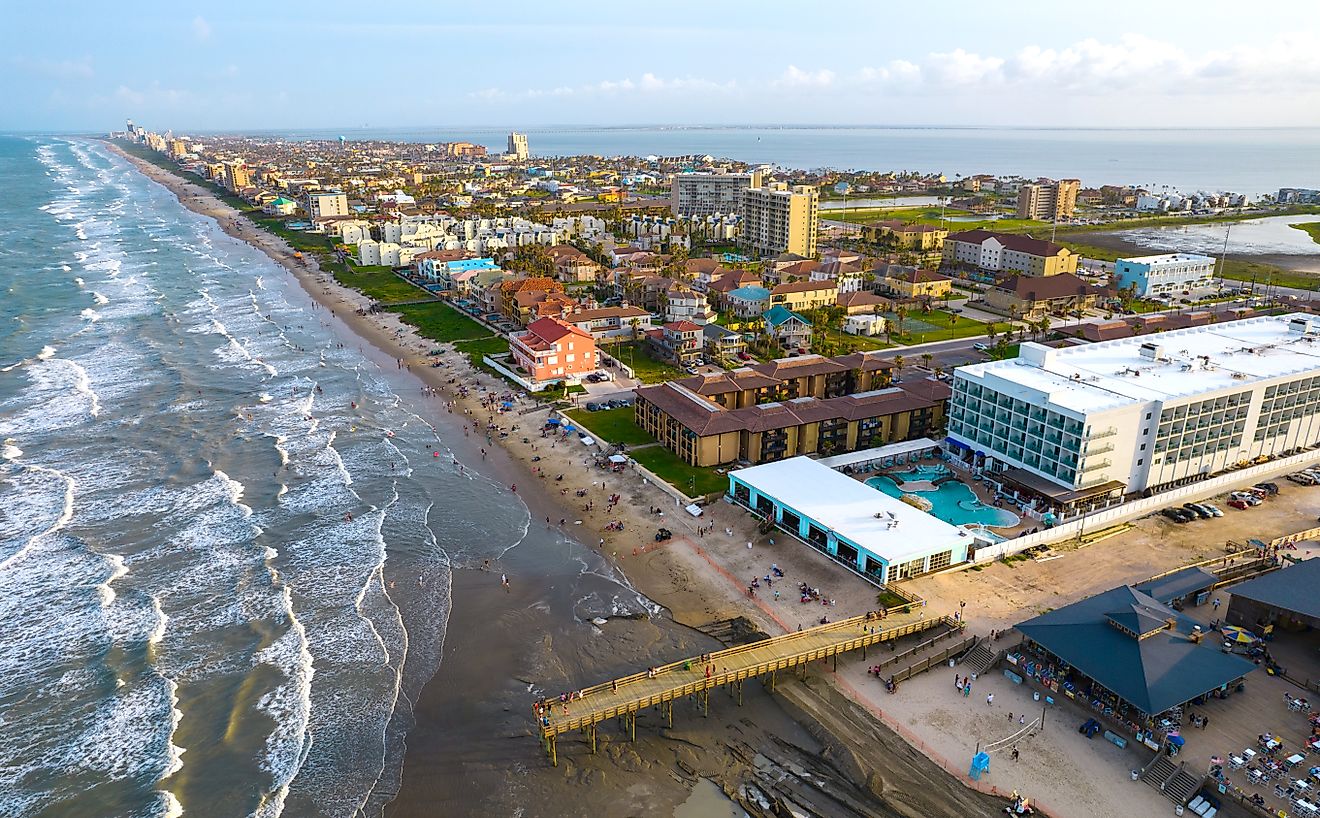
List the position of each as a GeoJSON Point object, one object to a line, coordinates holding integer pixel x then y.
{"type": "Point", "coordinates": [945, 327]}
{"type": "Point", "coordinates": [931, 215]}
{"type": "Point", "coordinates": [441, 322]}
{"type": "Point", "coordinates": [378, 283]}
{"type": "Point", "coordinates": [846, 343]}
{"type": "Point", "coordinates": [666, 465]}
{"type": "Point", "coordinates": [612, 425]}
{"type": "Point", "coordinates": [646, 368]}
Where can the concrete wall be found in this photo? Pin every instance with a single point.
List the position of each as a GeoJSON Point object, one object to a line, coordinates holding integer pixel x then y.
{"type": "Point", "coordinates": [1140, 508]}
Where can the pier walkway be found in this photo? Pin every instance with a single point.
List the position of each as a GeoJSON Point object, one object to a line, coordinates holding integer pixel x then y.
{"type": "Point", "coordinates": [660, 686]}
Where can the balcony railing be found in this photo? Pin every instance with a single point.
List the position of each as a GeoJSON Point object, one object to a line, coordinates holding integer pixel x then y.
{"type": "Point", "coordinates": [1093, 466]}
{"type": "Point", "coordinates": [1107, 447]}
{"type": "Point", "coordinates": [1110, 432]}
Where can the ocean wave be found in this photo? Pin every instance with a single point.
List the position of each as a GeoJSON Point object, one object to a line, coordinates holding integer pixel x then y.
{"type": "Point", "coordinates": [99, 298]}
{"type": "Point", "coordinates": [27, 505]}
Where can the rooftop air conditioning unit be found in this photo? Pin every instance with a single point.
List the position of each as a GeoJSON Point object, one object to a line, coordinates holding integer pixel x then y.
{"type": "Point", "coordinates": [1151, 351]}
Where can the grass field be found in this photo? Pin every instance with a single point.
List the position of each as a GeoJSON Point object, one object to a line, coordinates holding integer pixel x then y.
{"type": "Point", "coordinates": [680, 475]}
{"type": "Point", "coordinates": [442, 323]}
{"type": "Point", "coordinates": [1235, 269]}
{"type": "Point", "coordinates": [377, 283]}
{"type": "Point", "coordinates": [647, 369]}
{"type": "Point", "coordinates": [945, 328]}
{"type": "Point", "coordinates": [612, 425]}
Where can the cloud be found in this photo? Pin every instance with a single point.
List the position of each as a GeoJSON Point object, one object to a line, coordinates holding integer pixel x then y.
{"type": "Point", "coordinates": [54, 69]}
{"type": "Point", "coordinates": [794, 77]}
{"type": "Point", "coordinates": [648, 83]}
{"type": "Point", "coordinates": [201, 28]}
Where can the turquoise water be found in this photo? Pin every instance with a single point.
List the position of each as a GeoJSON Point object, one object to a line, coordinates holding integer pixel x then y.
{"type": "Point", "coordinates": [953, 502]}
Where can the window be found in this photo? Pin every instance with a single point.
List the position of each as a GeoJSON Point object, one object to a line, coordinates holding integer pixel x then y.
{"type": "Point", "coordinates": [1141, 462]}
{"type": "Point", "coordinates": [1143, 447]}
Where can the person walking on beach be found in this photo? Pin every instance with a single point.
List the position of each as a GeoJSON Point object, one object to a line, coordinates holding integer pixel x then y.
{"type": "Point", "coordinates": [504, 580]}
{"type": "Point", "coordinates": [1014, 755]}
{"type": "Point", "coordinates": [967, 688]}
{"type": "Point", "coordinates": [989, 699]}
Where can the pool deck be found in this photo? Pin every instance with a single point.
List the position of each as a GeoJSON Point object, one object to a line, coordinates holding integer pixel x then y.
{"type": "Point", "coordinates": [982, 493]}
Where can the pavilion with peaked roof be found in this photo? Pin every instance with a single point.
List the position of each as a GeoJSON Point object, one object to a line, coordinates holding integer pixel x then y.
{"type": "Point", "coordinates": [1128, 654]}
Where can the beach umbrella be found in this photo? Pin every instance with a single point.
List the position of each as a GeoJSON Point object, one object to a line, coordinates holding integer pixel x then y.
{"type": "Point", "coordinates": [1240, 636]}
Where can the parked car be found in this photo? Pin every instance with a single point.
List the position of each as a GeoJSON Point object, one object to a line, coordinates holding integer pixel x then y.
{"type": "Point", "coordinates": [981, 347]}
{"type": "Point", "coordinates": [1302, 478]}
{"type": "Point", "coordinates": [1198, 510]}
{"type": "Point", "coordinates": [1238, 504]}
{"type": "Point", "coordinates": [593, 406]}
{"type": "Point", "coordinates": [1175, 514]}
{"type": "Point", "coordinates": [1269, 488]}
{"type": "Point", "coordinates": [1213, 509]}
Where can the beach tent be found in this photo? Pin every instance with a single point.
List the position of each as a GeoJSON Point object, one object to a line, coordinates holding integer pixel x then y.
{"type": "Point", "coordinates": [1238, 636]}
{"type": "Point", "coordinates": [587, 441]}
{"type": "Point", "coordinates": [618, 458]}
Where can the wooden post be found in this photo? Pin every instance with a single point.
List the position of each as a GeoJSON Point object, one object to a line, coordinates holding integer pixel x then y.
{"type": "Point", "coordinates": [705, 703]}
{"type": "Point", "coordinates": [772, 681]}
{"type": "Point", "coordinates": [669, 712]}
{"type": "Point", "coordinates": [632, 726]}
{"type": "Point", "coordinates": [835, 658]}
{"type": "Point", "coordinates": [591, 731]}
{"type": "Point", "coordinates": [554, 757]}
{"type": "Point", "coordinates": [739, 683]}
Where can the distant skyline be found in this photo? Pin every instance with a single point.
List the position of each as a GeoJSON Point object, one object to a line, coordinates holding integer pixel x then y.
{"type": "Point", "coordinates": [246, 66]}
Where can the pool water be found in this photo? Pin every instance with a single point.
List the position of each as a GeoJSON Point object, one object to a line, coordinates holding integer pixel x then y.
{"type": "Point", "coordinates": [953, 502]}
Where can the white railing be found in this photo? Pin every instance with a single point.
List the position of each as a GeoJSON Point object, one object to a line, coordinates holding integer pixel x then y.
{"type": "Point", "coordinates": [1140, 508]}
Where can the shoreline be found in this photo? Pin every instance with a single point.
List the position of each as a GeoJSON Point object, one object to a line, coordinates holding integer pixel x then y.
{"type": "Point", "coordinates": [692, 587]}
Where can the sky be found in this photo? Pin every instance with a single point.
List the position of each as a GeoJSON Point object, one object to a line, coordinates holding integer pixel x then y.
{"type": "Point", "coordinates": [235, 66]}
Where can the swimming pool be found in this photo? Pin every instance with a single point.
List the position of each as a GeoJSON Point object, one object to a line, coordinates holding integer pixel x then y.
{"type": "Point", "coordinates": [953, 501]}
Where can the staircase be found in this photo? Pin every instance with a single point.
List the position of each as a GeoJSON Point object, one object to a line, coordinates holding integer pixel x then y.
{"type": "Point", "coordinates": [980, 658]}
{"type": "Point", "coordinates": [1177, 784]}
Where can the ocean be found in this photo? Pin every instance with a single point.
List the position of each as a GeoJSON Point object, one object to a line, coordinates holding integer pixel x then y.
{"type": "Point", "coordinates": [1242, 160]}
{"type": "Point", "coordinates": [227, 542]}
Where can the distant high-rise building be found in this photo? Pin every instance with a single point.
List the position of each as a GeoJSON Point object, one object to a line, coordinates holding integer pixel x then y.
{"type": "Point", "coordinates": [699, 195]}
{"type": "Point", "coordinates": [330, 203]}
{"type": "Point", "coordinates": [779, 219]}
{"type": "Point", "coordinates": [1048, 201]}
{"type": "Point", "coordinates": [518, 146]}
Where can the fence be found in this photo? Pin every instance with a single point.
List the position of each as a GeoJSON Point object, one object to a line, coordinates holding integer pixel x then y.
{"type": "Point", "coordinates": [508, 373]}
{"type": "Point", "coordinates": [1146, 505]}
{"type": "Point", "coordinates": [915, 649]}
{"type": "Point", "coordinates": [931, 661]}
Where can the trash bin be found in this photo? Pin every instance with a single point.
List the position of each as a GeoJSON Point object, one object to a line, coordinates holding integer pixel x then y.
{"type": "Point", "coordinates": [1136, 774]}
{"type": "Point", "coordinates": [951, 662]}
{"type": "Point", "coordinates": [1035, 695]}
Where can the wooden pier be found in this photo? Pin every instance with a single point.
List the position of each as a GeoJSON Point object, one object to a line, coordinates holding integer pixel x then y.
{"type": "Point", "coordinates": [696, 677]}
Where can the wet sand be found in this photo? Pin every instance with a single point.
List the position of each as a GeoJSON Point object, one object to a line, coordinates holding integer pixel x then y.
{"type": "Point", "coordinates": [472, 750]}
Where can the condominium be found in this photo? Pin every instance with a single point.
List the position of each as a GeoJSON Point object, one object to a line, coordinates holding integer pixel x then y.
{"type": "Point", "coordinates": [1164, 274]}
{"type": "Point", "coordinates": [518, 146]}
{"type": "Point", "coordinates": [320, 205]}
{"type": "Point", "coordinates": [1007, 253]}
{"type": "Point", "coordinates": [702, 195]}
{"type": "Point", "coordinates": [1047, 201]}
{"type": "Point", "coordinates": [780, 219]}
{"type": "Point", "coordinates": [1067, 429]}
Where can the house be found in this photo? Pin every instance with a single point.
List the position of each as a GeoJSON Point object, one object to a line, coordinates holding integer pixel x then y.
{"type": "Point", "coordinates": [793, 271]}
{"type": "Point", "coordinates": [509, 291]}
{"type": "Point", "coordinates": [746, 302]}
{"type": "Point", "coordinates": [611, 322]}
{"type": "Point", "coordinates": [805, 295]}
{"type": "Point", "coordinates": [550, 350]}
{"type": "Point", "coordinates": [684, 304]}
{"type": "Point", "coordinates": [916, 283]}
{"type": "Point", "coordinates": [866, 325]}
{"type": "Point", "coordinates": [440, 266]}
{"type": "Point", "coordinates": [645, 290]}
{"type": "Point", "coordinates": [703, 272]}
{"type": "Point", "coordinates": [789, 329]}
{"type": "Point", "coordinates": [849, 275]}
{"type": "Point", "coordinates": [1035, 296]}
{"type": "Point", "coordinates": [572, 265]}
{"type": "Point", "coordinates": [534, 304]}
{"type": "Point", "coordinates": [722, 343]}
{"type": "Point", "coordinates": [862, 302]}
{"type": "Point", "coordinates": [679, 341]}
{"type": "Point", "coordinates": [906, 236]}
{"type": "Point", "coordinates": [280, 206]}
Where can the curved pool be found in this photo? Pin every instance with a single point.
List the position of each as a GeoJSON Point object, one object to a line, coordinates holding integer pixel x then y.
{"type": "Point", "coordinates": [953, 501]}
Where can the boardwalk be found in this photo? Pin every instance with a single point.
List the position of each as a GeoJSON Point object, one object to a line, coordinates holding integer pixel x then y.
{"type": "Point", "coordinates": [661, 686]}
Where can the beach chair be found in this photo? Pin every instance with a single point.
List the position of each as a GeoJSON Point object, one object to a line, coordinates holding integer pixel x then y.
{"type": "Point", "coordinates": [1249, 754]}
{"type": "Point", "coordinates": [1197, 804]}
{"type": "Point", "coordinates": [1210, 813]}
{"type": "Point", "coordinates": [1236, 762]}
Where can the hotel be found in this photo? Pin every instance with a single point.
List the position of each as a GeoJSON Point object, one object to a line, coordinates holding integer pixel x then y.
{"type": "Point", "coordinates": [1076, 428]}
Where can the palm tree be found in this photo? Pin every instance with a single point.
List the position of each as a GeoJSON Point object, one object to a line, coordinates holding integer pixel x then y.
{"type": "Point", "coordinates": [900, 312]}
{"type": "Point", "coordinates": [926, 358]}
{"type": "Point", "coordinates": [898, 363]}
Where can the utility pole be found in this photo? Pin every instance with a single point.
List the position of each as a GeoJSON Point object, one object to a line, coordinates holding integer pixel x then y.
{"type": "Point", "coordinates": [1223, 256]}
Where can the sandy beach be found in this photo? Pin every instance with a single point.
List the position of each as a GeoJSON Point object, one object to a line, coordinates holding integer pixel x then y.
{"type": "Point", "coordinates": [697, 579]}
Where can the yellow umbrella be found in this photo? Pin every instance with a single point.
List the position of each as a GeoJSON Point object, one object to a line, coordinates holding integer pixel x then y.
{"type": "Point", "coordinates": [1240, 636]}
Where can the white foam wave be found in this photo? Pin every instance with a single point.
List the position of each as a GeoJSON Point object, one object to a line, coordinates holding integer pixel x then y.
{"type": "Point", "coordinates": [117, 570]}
{"type": "Point", "coordinates": [9, 451]}
{"type": "Point", "coordinates": [46, 353]}
{"type": "Point", "coordinates": [100, 299]}
{"type": "Point", "coordinates": [83, 384]}
{"type": "Point", "coordinates": [91, 315]}
{"type": "Point", "coordinates": [66, 514]}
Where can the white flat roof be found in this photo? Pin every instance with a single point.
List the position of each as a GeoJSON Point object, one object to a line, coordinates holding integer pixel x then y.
{"type": "Point", "coordinates": [838, 461]}
{"type": "Point", "coordinates": [1191, 361]}
{"type": "Point", "coordinates": [1168, 258]}
{"type": "Point", "coordinates": [853, 510]}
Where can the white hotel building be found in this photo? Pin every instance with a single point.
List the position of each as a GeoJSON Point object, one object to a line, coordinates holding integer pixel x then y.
{"type": "Point", "coordinates": [1071, 429]}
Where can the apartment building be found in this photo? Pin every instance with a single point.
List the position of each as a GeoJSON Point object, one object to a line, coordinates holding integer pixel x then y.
{"type": "Point", "coordinates": [518, 149]}
{"type": "Point", "coordinates": [320, 205]}
{"type": "Point", "coordinates": [1007, 253]}
{"type": "Point", "coordinates": [1074, 428]}
{"type": "Point", "coordinates": [780, 219]}
{"type": "Point", "coordinates": [702, 195]}
{"type": "Point", "coordinates": [805, 295]}
{"type": "Point", "coordinates": [790, 407]}
{"type": "Point", "coordinates": [906, 236]}
{"type": "Point", "coordinates": [550, 350]}
{"type": "Point", "coordinates": [1047, 201]}
{"type": "Point", "coordinates": [1164, 274]}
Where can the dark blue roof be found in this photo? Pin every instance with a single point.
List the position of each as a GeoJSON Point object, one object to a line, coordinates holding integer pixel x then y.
{"type": "Point", "coordinates": [1178, 584]}
{"type": "Point", "coordinates": [1292, 589]}
{"type": "Point", "coordinates": [1162, 669]}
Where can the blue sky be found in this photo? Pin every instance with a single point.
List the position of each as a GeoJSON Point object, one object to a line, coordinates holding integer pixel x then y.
{"type": "Point", "coordinates": [241, 65]}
